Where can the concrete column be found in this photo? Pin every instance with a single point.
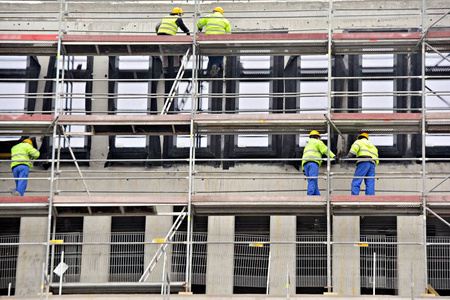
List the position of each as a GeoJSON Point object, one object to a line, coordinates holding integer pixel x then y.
{"type": "Point", "coordinates": [220, 264]}
{"type": "Point", "coordinates": [31, 258]}
{"type": "Point", "coordinates": [157, 227]}
{"type": "Point", "coordinates": [282, 256]}
{"type": "Point", "coordinates": [99, 148]}
{"type": "Point", "coordinates": [346, 257]}
{"type": "Point", "coordinates": [95, 258]}
{"type": "Point", "coordinates": [410, 258]}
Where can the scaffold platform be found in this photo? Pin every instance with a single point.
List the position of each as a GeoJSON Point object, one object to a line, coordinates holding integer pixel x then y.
{"type": "Point", "coordinates": [219, 205]}
{"type": "Point", "coordinates": [178, 124]}
{"type": "Point", "coordinates": [230, 44]}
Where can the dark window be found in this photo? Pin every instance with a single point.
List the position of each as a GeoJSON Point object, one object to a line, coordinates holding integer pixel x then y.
{"type": "Point", "coordinates": [9, 233]}
{"type": "Point", "coordinates": [127, 249]}
{"type": "Point", "coordinates": [133, 94]}
{"type": "Point", "coordinates": [75, 99]}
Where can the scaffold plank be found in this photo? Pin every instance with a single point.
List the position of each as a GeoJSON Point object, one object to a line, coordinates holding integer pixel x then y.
{"type": "Point", "coordinates": [14, 206]}
{"type": "Point", "coordinates": [114, 287]}
{"type": "Point", "coordinates": [15, 124]}
{"type": "Point", "coordinates": [130, 124]}
{"type": "Point", "coordinates": [384, 205]}
{"type": "Point", "coordinates": [113, 205]}
{"type": "Point", "coordinates": [239, 205]}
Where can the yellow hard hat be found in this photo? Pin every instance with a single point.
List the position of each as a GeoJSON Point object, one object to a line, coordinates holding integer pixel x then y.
{"type": "Point", "coordinates": [363, 135]}
{"type": "Point", "coordinates": [177, 10]}
{"type": "Point", "coordinates": [28, 141]}
{"type": "Point", "coordinates": [314, 132]}
{"type": "Point", "coordinates": [219, 9]}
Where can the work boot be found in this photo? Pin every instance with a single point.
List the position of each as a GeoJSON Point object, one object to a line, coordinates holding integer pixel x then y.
{"type": "Point", "coordinates": [14, 192]}
{"type": "Point", "coordinates": [214, 71]}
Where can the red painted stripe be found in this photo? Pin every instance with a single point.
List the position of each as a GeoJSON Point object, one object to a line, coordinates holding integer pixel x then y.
{"type": "Point", "coordinates": [384, 198]}
{"type": "Point", "coordinates": [376, 116]}
{"type": "Point", "coordinates": [24, 199]}
{"type": "Point", "coordinates": [28, 118]}
{"type": "Point", "coordinates": [28, 37]}
{"type": "Point", "coordinates": [127, 38]}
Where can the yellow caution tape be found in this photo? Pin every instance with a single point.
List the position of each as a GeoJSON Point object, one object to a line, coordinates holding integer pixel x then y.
{"type": "Point", "coordinates": [256, 245]}
{"type": "Point", "coordinates": [56, 241]}
{"type": "Point", "coordinates": [159, 240]}
{"type": "Point", "coordinates": [362, 245]}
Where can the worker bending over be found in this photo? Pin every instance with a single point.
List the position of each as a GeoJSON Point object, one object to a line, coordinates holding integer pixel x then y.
{"type": "Point", "coordinates": [367, 155]}
{"type": "Point", "coordinates": [169, 26]}
{"type": "Point", "coordinates": [20, 167]}
{"type": "Point", "coordinates": [214, 23]}
{"type": "Point", "coordinates": [311, 161]}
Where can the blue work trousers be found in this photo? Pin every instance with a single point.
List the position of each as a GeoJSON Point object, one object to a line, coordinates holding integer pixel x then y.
{"type": "Point", "coordinates": [364, 169]}
{"type": "Point", "coordinates": [21, 171]}
{"type": "Point", "coordinates": [312, 170]}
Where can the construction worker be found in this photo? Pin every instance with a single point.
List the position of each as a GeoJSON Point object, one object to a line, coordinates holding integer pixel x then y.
{"type": "Point", "coordinates": [214, 23]}
{"type": "Point", "coordinates": [20, 167]}
{"type": "Point", "coordinates": [169, 26]}
{"type": "Point", "coordinates": [367, 155]}
{"type": "Point", "coordinates": [311, 160]}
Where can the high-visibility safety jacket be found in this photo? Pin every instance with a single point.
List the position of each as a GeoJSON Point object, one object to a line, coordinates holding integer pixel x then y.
{"type": "Point", "coordinates": [23, 151]}
{"type": "Point", "coordinates": [313, 152]}
{"type": "Point", "coordinates": [214, 23]}
{"type": "Point", "coordinates": [364, 148]}
{"type": "Point", "coordinates": [168, 25]}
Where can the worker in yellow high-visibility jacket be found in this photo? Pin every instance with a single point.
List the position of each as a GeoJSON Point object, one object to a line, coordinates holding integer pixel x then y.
{"type": "Point", "coordinates": [312, 159]}
{"type": "Point", "coordinates": [20, 167]}
{"type": "Point", "coordinates": [169, 26]}
{"type": "Point", "coordinates": [214, 23]}
{"type": "Point", "coordinates": [367, 155]}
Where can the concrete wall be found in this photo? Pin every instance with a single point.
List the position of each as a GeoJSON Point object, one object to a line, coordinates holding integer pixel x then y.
{"type": "Point", "coordinates": [140, 18]}
{"type": "Point", "coordinates": [31, 257]}
{"type": "Point", "coordinates": [346, 269]}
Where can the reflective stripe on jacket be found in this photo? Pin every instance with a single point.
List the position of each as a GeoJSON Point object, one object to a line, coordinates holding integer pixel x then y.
{"type": "Point", "coordinates": [23, 151]}
{"type": "Point", "coordinates": [313, 152]}
{"type": "Point", "coordinates": [365, 148]}
{"type": "Point", "coordinates": [214, 23]}
{"type": "Point", "coordinates": [168, 25]}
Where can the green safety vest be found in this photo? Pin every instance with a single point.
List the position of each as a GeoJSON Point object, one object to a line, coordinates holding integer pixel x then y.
{"type": "Point", "coordinates": [214, 23]}
{"type": "Point", "coordinates": [365, 148]}
{"type": "Point", "coordinates": [23, 151]}
{"type": "Point", "coordinates": [168, 25]}
{"type": "Point", "coordinates": [313, 152]}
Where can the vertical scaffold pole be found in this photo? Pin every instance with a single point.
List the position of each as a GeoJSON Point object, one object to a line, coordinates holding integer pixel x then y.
{"type": "Point", "coordinates": [54, 136]}
{"type": "Point", "coordinates": [424, 183]}
{"type": "Point", "coordinates": [329, 96]}
{"type": "Point", "coordinates": [192, 141]}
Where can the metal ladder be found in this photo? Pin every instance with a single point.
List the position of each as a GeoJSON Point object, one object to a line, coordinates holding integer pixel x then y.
{"type": "Point", "coordinates": [175, 85]}
{"type": "Point", "coordinates": [162, 247]}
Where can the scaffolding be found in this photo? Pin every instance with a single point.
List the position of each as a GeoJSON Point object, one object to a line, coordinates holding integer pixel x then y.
{"type": "Point", "coordinates": [333, 40]}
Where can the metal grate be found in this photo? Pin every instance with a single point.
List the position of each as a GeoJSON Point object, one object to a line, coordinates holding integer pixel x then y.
{"type": "Point", "coordinates": [8, 261]}
{"type": "Point", "coordinates": [386, 262]}
{"type": "Point", "coordinates": [311, 260]}
{"type": "Point", "coordinates": [251, 260]}
{"type": "Point", "coordinates": [439, 262]}
{"type": "Point", "coordinates": [72, 256]}
{"type": "Point", "coordinates": [199, 254]}
{"type": "Point", "coordinates": [127, 256]}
